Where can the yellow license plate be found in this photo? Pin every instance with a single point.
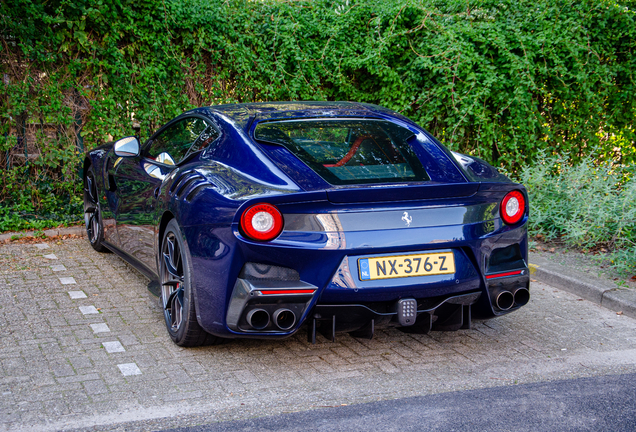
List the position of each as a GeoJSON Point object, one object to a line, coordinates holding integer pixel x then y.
{"type": "Point", "coordinates": [398, 266]}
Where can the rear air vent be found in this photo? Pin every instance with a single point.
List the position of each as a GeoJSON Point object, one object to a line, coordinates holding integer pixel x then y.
{"type": "Point", "coordinates": [505, 259]}
{"type": "Point", "coordinates": [181, 190]}
{"type": "Point", "coordinates": [188, 179]}
{"type": "Point", "coordinates": [183, 177]}
{"type": "Point", "coordinates": [195, 191]}
{"type": "Point", "coordinates": [256, 271]}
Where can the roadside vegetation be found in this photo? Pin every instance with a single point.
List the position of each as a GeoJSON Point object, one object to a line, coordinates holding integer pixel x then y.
{"type": "Point", "coordinates": [532, 87]}
{"type": "Point", "coordinates": [589, 206]}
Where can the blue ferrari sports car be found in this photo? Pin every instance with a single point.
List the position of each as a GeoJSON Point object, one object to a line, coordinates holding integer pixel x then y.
{"type": "Point", "coordinates": [254, 220]}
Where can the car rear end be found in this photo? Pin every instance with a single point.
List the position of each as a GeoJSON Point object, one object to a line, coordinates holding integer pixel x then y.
{"type": "Point", "coordinates": [389, 229]}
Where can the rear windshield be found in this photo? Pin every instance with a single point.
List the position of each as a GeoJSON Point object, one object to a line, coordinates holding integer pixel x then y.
{"type": "Point", "coordinates": [348, 151]}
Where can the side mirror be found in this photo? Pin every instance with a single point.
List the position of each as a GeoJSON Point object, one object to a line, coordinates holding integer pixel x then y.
{"type": "Point", "coordinates": [127, 147]}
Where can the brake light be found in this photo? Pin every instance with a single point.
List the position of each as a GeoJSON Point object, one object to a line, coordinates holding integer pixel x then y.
{"type": "Point", "coordinates": [262, 222]}
{"type": "Point", "coordinates": [513, 207]}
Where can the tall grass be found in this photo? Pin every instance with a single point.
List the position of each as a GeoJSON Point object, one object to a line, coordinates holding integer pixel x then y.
{"type": "Point", "coordinates": [587, 205]}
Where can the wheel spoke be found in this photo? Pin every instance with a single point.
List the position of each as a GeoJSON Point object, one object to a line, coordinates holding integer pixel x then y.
{"type": "Point", "coordinates": [90, 227]}
{"type": "Point", "coordinates": [175, 305]}
{"type": "Point", "coordinates": [171, 251]}
{"type": "Point", "coordinates": [94, 227]}
{"type": "Point", "coordinates": [89, 231]}
{"type": "Point", "coordinates": [177, 258]}
{"type": "Point", "coordinates": [171, 268]}
{"type": "Point", "coordinates": [172, 279]}
{"type": "Point", "coordinates": [89, 189]}
{"type": "Point", "coordinates": [176, 295]}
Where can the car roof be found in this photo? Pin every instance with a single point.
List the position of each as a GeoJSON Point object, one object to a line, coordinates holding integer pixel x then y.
{"type": "Point", "coordinates": [242, 115]}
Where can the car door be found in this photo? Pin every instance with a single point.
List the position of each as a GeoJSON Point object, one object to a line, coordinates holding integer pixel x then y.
{"type": "Point", "coordinates": [111, 200]}
{"type": "Point", "coordinates": [138, 181]}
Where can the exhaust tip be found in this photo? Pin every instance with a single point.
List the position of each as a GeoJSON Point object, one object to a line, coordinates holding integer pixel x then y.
{"type": "Point", "coordinates": [258, 318]}
{"type": "Point", "coordinates": [522, 296]}
{"type": "Point", "coordinates": [284, 319]}
{"type": "Point", "coordinates": [505, 300]}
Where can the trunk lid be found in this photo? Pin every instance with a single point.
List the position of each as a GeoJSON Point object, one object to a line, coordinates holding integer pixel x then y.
{"type": "Point", "coordinates": [401, 192]}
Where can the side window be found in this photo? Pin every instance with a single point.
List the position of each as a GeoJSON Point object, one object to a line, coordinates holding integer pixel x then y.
{"type": "Point", "coordinates": [172, 145]}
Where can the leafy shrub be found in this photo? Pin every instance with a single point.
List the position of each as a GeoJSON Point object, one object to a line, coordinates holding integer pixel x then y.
{"type": "Point", "coordinates": [588, 205]}
{"type": "Point", "coordinates": [42, 206]}
{"type": "Point", "coordinates": [500, 79]}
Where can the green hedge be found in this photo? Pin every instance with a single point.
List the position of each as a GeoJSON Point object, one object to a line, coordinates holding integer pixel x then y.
{"type": "Point", "coordinates": [501, 79]}
{"type": "Point", "coordinates": [587, 205]}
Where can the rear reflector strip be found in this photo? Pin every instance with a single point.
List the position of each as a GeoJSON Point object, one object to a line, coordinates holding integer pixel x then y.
{"type": "Point", "coordinates": [510, 273]}
{"type": "Point", "coordinates": [295, 291]}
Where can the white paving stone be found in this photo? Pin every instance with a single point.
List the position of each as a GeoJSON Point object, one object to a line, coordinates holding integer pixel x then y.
{"type": "Point", "coordinates": [77, 294]}
{"type": "Point", "coordinates": [58, 267]}
{"type": "Point", "coordinates": [100, 328]}
{"type": "Point", "coordinates": [128, 369]}
{"type": "Point", "coordinates": [86, 310]}
{"type": "Point", "coordinates": [42, 246]}
{"type": "Point", "coordinates": [51, 256]}
{"type": "Point", "coordinates": [68, 281]}
{"type": "Point", "coordinates": [113, 347]}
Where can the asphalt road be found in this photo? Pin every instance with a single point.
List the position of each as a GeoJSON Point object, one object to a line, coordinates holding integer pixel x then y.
{"type": "Point", "coordinates": [605, 403]}
{"type": "Point", "coordinates": [83, 347]}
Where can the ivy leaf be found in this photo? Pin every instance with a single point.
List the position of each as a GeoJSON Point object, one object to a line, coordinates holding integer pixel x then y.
{"type": "Point", "coordinates": [81, 37]}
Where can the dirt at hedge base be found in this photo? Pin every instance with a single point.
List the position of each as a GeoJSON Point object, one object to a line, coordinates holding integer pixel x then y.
{"type": "Point", "coordinates": [43, 239]}
{"type": "Point", "coordinates": [586, 261]}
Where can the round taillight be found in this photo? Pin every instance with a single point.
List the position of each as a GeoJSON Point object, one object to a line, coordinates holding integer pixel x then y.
{"type": "Point", "coordinates": [262, 222]}
{"type": "Point", "coordinates": [513, 207]}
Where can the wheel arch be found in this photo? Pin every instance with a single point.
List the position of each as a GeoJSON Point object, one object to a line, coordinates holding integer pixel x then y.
{"type": "Point", "coordinates": [166, 217]}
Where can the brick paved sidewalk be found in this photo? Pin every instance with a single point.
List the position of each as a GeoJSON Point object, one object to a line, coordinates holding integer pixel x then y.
{"type": "Point", "coordinates": [83, 343]}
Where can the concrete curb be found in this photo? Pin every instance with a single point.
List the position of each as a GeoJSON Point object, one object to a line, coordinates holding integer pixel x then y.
{"type": "Point", "coordinates": [602, 292]}
{"type": "Point", "coordinates": [76, 230]}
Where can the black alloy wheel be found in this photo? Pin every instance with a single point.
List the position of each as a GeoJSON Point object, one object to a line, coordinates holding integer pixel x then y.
{"type": "Point", "coordinates": [92, 213]}
{"type": "Point", "coordinates": [177, 299]}
{"type": "Point", "coordinates": [172, 283]}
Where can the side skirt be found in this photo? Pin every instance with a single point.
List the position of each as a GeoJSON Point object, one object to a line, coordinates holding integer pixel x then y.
{"type": "Point", "coordinates": [153, 284]}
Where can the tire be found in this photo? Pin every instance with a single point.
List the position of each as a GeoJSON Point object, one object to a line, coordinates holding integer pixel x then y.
{"type": "Point", "coordinates": [177, 299]}
{"type": "Point", "coordinates": [93, 213]}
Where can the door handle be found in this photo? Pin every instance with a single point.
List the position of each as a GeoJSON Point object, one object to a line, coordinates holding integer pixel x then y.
{"type": "Point", "coordinates": [156, 193]}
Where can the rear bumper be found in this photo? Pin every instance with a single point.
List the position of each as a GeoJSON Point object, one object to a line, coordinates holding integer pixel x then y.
{"type": "Point", "coordinates": [223, 298]}
{"type": "Point", "coordinates": [295, 300]}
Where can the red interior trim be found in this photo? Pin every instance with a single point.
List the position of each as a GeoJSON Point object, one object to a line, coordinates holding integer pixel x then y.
{"type": "Point", "coordinates": [352, 151]}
